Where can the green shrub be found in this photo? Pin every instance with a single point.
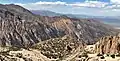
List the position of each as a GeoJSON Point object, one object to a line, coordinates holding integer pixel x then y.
{"type": "Point", "coordinates": [99, 54]}
{"type": "Point", "coordinates": [79, 56]}
{"type": "Point", "coordinates": [27, 59]}
{"type": "Point", "coordinates": [84, 55]}
{"type": "Point", "coordinates": [113, 55]}
{"type": "Point", "coordinates": [118, 55]}
{"type": "Point", "coordinates": [102, 57]}
{"type": "Point", "coordinates": [107, 54]}
{"type": "Point", "coordinates": [19, 55]}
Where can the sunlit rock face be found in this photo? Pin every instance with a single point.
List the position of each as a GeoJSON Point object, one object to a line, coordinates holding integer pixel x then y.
{"type": "Point", "coordinates": [109, 44]}
{"type": "Point", "coordinates": [19, 27]}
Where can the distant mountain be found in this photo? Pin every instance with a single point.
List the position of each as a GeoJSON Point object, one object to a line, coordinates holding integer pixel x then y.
{"type": "Point", "coordinates": [114, 21]}
{"type": "Point", "coordinates": [45, 13]}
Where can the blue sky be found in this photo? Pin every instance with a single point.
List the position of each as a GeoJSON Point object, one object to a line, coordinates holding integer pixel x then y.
{"type": "Point", "coordinates": [86, 7]}
{"type": "Point", "coordinates": [32, 1]}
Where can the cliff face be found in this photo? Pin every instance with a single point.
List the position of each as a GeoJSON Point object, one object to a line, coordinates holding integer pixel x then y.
{"type": "Point", "coordinates": [19, 27]}
{"type": "Point", "coordinates": [109, 44]}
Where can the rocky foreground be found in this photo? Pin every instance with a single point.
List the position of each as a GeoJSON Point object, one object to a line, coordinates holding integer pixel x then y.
{"type": "Point", "coordinates": [64, 49]}
{"type": "Point", "coordinates": [55, 49]}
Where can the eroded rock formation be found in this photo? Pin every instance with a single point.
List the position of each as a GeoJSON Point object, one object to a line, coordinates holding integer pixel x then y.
{"type": "Point", "coordinates": [108, 45]}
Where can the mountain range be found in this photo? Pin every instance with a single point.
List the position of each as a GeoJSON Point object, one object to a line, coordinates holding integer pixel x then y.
{"type": "Point", "coordinates": [111, 20]}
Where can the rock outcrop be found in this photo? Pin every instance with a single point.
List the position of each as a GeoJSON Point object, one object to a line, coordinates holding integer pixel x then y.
{"type": "Point", "coordinates": [108, 45]}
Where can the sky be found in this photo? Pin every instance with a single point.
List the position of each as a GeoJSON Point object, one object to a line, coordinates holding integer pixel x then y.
{"type": "Point", "coordinates": [33, 1]}
{"type": "Point", "coordinates": [85, 7]}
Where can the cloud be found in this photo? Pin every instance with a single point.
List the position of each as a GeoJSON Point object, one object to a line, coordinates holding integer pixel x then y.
{"type": "Point", "coordinates": [87, 7]}
{"type": "Point", "coordinates": [90, 4]}
{"type": "Point", "coordinates": [20, 4]}
{"type": "Point", "coordinates": [76, 4]}
{"type": "Point", "coordinates": [113, 6]}
{"type": "Point", "coordinates": [115, 1]}
{"type": "Point", "coordinates": [52, 3]}
{"type": "Point", "coordinates": [87, 3]}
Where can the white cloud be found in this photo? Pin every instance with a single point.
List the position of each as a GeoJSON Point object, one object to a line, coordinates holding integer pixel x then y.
{"type": "Point", "coordinates": [90, 4]}
{"type": "Point", "coordinates": [87, 7]}
{"type": "Point", "coordinates": [52, 3]}
{"type": "Point", "coordinates": [77, 4]}
{"type": "Point", "coordinates": [113, 6]}
{"type": "Point", "coordinates": [115, 1]}
{"type": "Point", "coordinates": [87, 3]}
{"type": "Point", "coordinates": [20, 4]}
